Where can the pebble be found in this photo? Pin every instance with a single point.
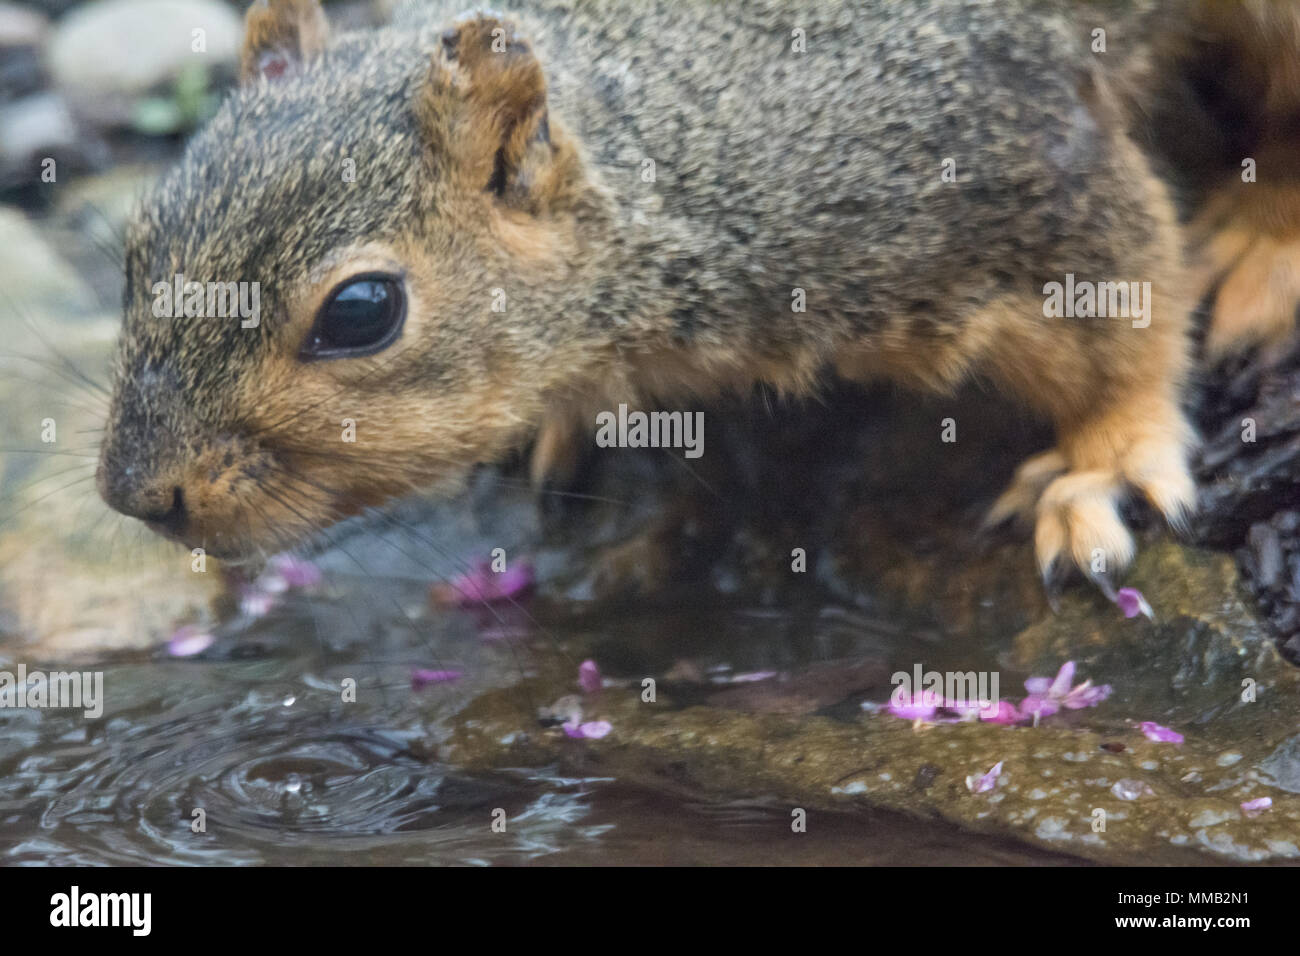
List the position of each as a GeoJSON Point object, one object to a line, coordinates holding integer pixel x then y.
{"type": "Point", "coordinates": [1209, 818]}
{"type": "Point", "coordinates": [1131, 789]}
{"type": "Point", "coordinates": [21, 26]}
{"type": "Point", "coordinates": [128, 47]}
{"type": "Point", "coordinates": [32, 128]}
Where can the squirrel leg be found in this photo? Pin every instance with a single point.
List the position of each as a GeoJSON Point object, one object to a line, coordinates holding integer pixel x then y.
{"type": "Point", "coordinates": [1119, 429]}
{"type": "Point", "coordinates": [1249, 244]}
{"type": "Point", "coordinates": [1244, 64]}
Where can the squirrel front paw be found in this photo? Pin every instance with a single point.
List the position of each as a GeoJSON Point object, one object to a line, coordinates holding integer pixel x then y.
{"type": "Point", "coordinates": [1071, 494]}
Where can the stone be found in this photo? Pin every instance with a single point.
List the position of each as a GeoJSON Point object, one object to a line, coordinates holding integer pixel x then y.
{"type": "Point", "coordinates": [128, 47]}
{"type": "Point", "coordinates": [31, 129]}
{"type": "Point", "coordinates": [21, 27]}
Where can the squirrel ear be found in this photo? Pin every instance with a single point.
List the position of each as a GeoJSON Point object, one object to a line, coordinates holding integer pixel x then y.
{"type": "Point", "coordinates": [279, 36]}
{"type": "Point", "coordinates": [497, 127]}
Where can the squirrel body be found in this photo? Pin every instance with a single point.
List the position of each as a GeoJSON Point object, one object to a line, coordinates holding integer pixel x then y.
{"type": "Point", "coordinates": [601, 203]}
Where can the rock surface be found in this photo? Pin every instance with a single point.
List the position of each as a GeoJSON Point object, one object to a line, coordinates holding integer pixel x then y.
{"type": "Point", "coordinates": [1204, 667]}
{"type": "Point", "coordinates": [1250, 474]}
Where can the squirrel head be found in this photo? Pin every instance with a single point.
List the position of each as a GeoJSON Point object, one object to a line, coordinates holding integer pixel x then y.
{"type": "Point", "coordinates": [361, 279]}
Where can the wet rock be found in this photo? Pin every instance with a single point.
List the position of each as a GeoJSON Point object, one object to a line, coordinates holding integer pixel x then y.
{"type": "Point", "coordinates": [1203, 642]}
{"type": "Point", "coordinates": [807, 690]}
{"type": "Point", "coordinates": [1270, 560]}
{"type": "Point", "coordinates": [1281, 768]}
{"type": "Point", "coordinates": [1249, 473]}
{"type": "Point", "coordinates": [1250, 464]}
{"type": "Point", "coordinates": [1205, 666]}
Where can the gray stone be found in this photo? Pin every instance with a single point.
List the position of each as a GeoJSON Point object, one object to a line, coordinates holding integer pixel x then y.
{"type": "Point", "coordinates": [127, 47]}
{"type": "Point", "coordinates": [21, 26]}
{"type": "Point", "coordinates": [33, 128]}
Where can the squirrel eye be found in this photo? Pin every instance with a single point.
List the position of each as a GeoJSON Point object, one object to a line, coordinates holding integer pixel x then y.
{"type": "Point", "coordinates": [362, 316]}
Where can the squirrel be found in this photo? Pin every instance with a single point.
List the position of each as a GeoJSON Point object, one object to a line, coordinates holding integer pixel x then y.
{"type": "Point", "coordinates": [469, 232]}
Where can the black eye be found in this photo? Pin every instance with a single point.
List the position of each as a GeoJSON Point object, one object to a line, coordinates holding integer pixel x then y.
{"type": "Point", "coordinates": [361, 317]}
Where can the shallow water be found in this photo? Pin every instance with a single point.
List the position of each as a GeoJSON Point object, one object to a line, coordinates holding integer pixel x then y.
{"type": "Point", "coordinates": [255, 733]}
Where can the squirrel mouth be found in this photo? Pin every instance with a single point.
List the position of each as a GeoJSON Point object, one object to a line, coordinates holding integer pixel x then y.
{"type": "Point", "coordinates": [220, 545]}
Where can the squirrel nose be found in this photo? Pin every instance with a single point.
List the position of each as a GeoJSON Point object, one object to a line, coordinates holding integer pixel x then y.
{"type": "Point", "coordinates": [158, 505]}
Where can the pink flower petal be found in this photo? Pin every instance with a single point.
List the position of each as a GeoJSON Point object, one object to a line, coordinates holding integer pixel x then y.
{"type": "Point", "coordinates": [296, 573]}
{"type": "Point", "coordinates": [589, 677]}
{"type": "Point", "coordinates": [1038, 707]}
{"type": "Point", "coordinates": [255, 602]}
{"type": "Point", "coordinates": [1064, 678]}
{"type": "Point", "coordinates": [473, 586]}
{"type": "Point", "coordinates": [188, 641]}
{"type": "Point", "coordinates": [515, 580]}
{"type": "Point", "coordinates": [1253, 808]}
{"type": "Point", "coordinates": [1132, 603]}
{"type": "Point", "coordinates": [1164, 735]}
{"type": "Point", "coordinates": [965, 711]}
{"type": "Point", "coordinates": [1004, 713]}
{"type": "Point", "coordinates": [591, 730]}
{"type": "Point", "coordinates": [482, 585]}
{"type": "Point", "coordinates": [918, 707]}
{"type": "Point", "coordinates": [1047, 697]}
{"type": "Point", "coordinates": [985, 783]}
{"type": "Point", "coordinates": [422, 677]}
{"type": "Point", "coordinates": [1085, 695]}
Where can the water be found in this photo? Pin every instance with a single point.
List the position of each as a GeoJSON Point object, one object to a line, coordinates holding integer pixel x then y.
{"type": "Point", "coordinates": [255, 734]}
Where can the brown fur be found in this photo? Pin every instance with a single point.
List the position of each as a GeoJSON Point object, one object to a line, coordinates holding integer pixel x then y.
{"type": "Point", "coordinates": [1228, 90]}
{"type": "Point", "coordinates": [489, 162]}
